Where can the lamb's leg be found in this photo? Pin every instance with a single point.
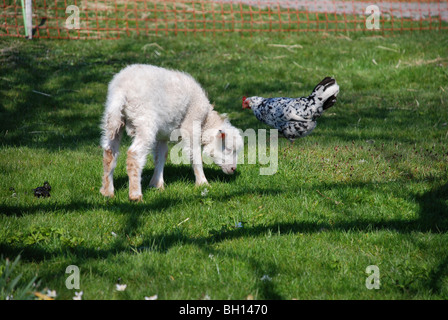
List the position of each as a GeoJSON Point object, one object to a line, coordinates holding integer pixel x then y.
{"type": "Point", "coordinates": [110, 156]}
{"type": "Point", "coordinates": [135, 162]}
{"type": "Point", "coordinates": [196, 158]}
{"type": "Point", "coordinates": [191, 132]}
{"type": "Point", "coordinates": [160, 154]}
{"type": "Point", "coordinates": [199, 174]}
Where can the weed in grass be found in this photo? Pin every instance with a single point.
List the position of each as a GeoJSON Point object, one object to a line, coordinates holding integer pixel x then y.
{"type": "Point", "coordinates": [10, 286]}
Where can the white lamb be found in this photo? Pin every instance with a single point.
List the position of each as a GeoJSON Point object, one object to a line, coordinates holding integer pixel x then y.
{"type": "Point", "coordinates": [151, 102]}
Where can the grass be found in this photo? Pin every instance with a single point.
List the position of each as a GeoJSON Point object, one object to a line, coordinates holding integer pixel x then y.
{"type": "Point", "coordinates": [368, 187]}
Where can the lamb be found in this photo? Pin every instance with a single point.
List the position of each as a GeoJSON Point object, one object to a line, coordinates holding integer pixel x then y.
{"type": "Point", "coordinates": [151, 103]}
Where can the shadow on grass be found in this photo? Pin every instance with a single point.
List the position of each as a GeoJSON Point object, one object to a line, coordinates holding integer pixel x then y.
{"type": "Point", "coordinates": [72, 75]}
{"type": "Point", "coordinates": [177, 173]}
{"type": "Point", "coordinates": [433, 217]}
{"type": "Point", "coordinates": [55, 97]}
{"type": "Point", "coordinates": [77, 83]}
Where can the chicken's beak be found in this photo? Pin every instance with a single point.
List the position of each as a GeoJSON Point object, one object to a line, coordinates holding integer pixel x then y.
{"type": "Point", "coordinates": [246, 105]}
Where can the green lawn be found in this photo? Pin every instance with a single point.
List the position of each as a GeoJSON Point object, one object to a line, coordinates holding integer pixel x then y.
{"type": "Point", "coordinates": [368, 187]}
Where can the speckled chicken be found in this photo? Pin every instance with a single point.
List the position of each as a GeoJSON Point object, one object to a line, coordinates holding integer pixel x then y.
{"type": "Point", "coordinates": [294, 117]}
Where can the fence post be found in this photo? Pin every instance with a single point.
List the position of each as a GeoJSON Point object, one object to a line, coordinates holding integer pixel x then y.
{"type": "Point", "coordinates": [24, 18]}
{"type": "Point", "coordinates": [29, 18]}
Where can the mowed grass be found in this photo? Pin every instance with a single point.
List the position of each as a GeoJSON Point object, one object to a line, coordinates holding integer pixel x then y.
{"type": "Point", "coordinates": [368, 187]}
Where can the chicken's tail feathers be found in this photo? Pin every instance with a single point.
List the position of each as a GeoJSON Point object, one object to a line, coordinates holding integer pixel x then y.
{"type": "Point", "coordinates": [327, 81]}
{"type": "Point", "coordinates": [326, 92]}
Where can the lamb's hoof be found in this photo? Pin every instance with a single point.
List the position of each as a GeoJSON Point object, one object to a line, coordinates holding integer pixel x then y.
{"type": "Point", "coordinates": [202, 183]}
{"type": "Point", "coordinates": [106, 193]}
{"type": "Point", "coordinates": [160, 186]}
{"type": "Point", "coordinates": [135, 198]}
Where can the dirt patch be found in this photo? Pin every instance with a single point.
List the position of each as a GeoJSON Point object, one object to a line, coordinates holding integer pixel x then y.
{"type": "Point", "coordinates": [407, 10]}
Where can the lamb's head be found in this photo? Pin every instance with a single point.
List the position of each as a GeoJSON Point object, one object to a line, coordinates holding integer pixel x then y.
{"type": "Point", "coordinates": [222, 145]}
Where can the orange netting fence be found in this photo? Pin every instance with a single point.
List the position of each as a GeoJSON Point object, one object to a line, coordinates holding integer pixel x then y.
{"type": "Point", "coordinates": [102, 19]}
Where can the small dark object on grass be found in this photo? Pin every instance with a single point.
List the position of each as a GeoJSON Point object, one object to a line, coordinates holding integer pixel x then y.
{"type": "Point", "coordinates": [43, 191]}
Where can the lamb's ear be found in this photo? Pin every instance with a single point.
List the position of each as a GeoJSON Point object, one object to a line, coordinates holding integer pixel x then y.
{"type": "Point", "coordinates": [221, 134]}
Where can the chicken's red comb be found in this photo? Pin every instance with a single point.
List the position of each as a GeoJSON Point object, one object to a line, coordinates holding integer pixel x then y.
{"type": "Point", "coordinates": [244, 98]}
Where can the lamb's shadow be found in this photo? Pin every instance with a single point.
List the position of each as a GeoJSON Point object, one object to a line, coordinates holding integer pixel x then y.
{"type": "Point", "coordinates": [176, 173]}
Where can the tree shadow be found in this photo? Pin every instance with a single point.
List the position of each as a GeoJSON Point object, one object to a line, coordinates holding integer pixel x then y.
{"type": "Point", "coordinates": [75, 128]}
{"type": "Point", "coordinates": [434, 209]}
{"type": "Point", "coordinates": [434, 214]}
{"type": "Point", "coordinates": [433, 217]}
{"type": "Point", "coordinates": [69, 118]}
{"type": "Point", "coordinates": [60, 101]}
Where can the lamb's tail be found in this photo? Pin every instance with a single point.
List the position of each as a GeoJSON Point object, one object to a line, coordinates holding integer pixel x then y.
{"type": "Point", "coordinates": [113, 120]}
{"type": "Point", "coordinates": [326, 91]}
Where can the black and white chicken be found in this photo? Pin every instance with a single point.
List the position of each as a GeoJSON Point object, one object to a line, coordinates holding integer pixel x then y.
{"type": "Point", "coordinates": [294, 117]}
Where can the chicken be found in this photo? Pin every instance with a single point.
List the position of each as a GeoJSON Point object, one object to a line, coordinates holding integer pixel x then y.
{"type": "Point", "coordinates": [294, 117]}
